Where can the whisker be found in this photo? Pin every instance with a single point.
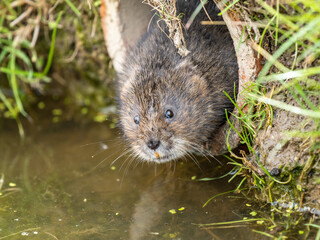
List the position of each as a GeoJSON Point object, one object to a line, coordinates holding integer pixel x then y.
{"type": "Point", "coordinates": [202, 151]}
{"type": "Point", "coordinates": [104, 141]}
{"type": "Point", "coordinates": [104, 147]}
{"type": "Point", "coordinates": [121, 155]}
{"type": "Point", "coordinates": [194, 160]}
{"type": "Point", "coordinates": [137, 163]}
{"type": "Point", "coordinates": [101, 162]}
{"type": "Point", "coordinates": [125, 172]}
{"type": "Point", "coordinates": [128, 158]}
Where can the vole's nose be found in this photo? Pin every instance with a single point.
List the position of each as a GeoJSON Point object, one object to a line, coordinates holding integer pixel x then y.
{"type": "Point", "coordinates": [153, 144]}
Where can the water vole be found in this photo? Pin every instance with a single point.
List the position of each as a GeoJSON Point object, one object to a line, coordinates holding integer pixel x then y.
{"type": "Point", "coordinates": [171, 106]}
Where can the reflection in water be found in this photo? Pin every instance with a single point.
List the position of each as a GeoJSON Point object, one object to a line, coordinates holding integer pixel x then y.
{"type": "Point", "coordinates": [168, 191]}
{"type": "Point", "coordinates": [65, 193]}
{"type": "Point", "coordinates": [154, 201]}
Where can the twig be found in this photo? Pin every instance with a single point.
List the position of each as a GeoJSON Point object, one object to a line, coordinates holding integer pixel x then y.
{"type": "Point", "coordinates": [168, 13]}
{"type": "Point", "coordinates": [21, 17]}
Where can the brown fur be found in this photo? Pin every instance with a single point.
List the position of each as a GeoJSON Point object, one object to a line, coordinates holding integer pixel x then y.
{"type": "Point", "coordinates": [156, 78]}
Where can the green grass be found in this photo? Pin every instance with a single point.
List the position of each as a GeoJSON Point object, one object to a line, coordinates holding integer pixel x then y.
{"type": "Point", "coordinates": [17, 60]}
{"type": "Point", "coordinates": [300, 38]}
{"type": "Point", "coordinates": [279, 223]}
{"type": "Point", "coordinates": [289, 81]}
{"type": "Point", "coordinates": [318, 227]}
{"type": "Point", "coordinates": [44, 54]}
{"type": "Point", "coordinates": [294, 30]}
{"type": "Point", "coordinates": [294, 35]}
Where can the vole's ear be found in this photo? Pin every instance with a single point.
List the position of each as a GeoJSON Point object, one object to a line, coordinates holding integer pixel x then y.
{"type": "Point", "coordinates": [194, 84]}
{"type": "Point", "coordinates": [198, 85]}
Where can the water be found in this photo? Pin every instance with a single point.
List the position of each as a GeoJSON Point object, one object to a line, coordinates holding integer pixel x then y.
{"type": "Point", "coordinates": [54, 189]}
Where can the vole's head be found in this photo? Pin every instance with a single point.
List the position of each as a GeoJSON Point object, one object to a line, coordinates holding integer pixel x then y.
{"type": "Point", "coordinates": [166, 113]}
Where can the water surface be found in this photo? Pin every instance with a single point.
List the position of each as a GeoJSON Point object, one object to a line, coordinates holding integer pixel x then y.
{"type": "Point", "coordinates": [59, 183]}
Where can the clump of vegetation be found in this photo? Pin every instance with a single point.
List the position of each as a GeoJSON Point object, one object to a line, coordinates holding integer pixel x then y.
{"type": "Point", "coordinates": [37, 40]}
{"type": "Point", "coordinates": [20, 25]}
{"type": "Point", "coordinates": [282, 125]}
{"type": "Point", "coordinates": [280, 120]}
{"type": "Point", "coordinates": [280, 224]}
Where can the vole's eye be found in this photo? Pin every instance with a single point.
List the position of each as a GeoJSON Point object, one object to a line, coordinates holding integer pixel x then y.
{"type": "Point", "coordinates": [169, 114]}
{"type": "Point", "coordinates": [136, 119]}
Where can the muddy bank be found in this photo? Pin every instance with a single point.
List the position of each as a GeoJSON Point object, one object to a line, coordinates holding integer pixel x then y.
{"type": "Point", "coordinates": [285, 139]}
